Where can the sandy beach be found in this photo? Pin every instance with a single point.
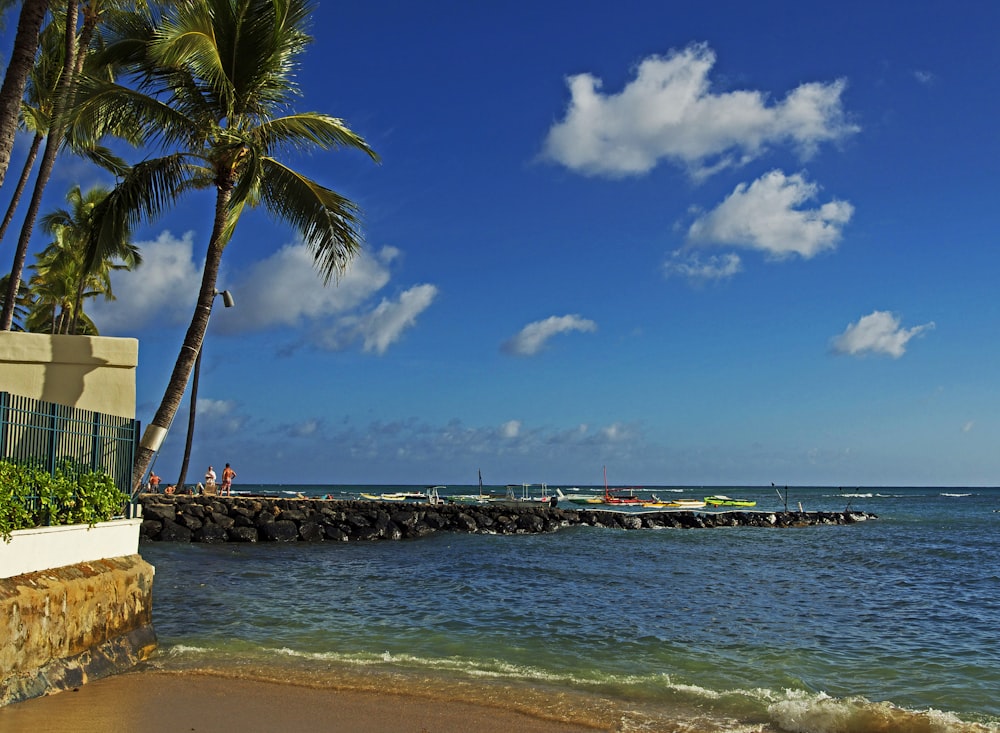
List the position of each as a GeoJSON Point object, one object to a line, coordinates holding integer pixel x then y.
{"type": "Point", "coordinates": [156, 702]}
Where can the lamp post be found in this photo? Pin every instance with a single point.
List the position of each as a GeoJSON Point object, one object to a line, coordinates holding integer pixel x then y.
{"type": "Point", "coordinates": [229, 302]}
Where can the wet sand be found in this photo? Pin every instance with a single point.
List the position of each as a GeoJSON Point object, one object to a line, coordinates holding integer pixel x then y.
{"type": "Point", "coordinates": [157, 702]}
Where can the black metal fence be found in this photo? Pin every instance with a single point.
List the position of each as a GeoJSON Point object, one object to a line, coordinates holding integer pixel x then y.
{"type": "Point", "coordinates": [54, 436]}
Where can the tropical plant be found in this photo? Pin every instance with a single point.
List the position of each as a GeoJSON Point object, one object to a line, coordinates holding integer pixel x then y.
{"type": "Point", "coordinates": [61, 89]}
{"type": "Point", "coordinates": [36, 109]}
{"type": "Point", "coordinates": [62, 276]}
{"type": "Point", "coordinates": [22, 58]}
{"type": "Point", "coordinates": [24, 302]}
{"type": "Point", "coordinates": [214, 82]}
{"type": "Point", "coordinates": [31, 496]}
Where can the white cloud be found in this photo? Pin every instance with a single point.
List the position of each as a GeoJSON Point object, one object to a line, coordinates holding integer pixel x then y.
{"type": "Point", "coordinates": [510, 429]}
{"type": "Point", "coordinates": [219, 416]}
{"type": "Point", "coordinates": [305, 428]}
{"type": "Point", "coordinates": [165, 286]}
{"type": "Point", "coordinates": [877, 333]}
{"type": "Point", "coordinates": [668, 112]}
{"type": "Point", "coordinates": [691, 266]}
{"type": "Point", "coordinates": [924, 77]}
{"type": "Point", "coordinates": [616, 432]}
{"type": "Point", "coordinates": [765, 216]}
{"type": "Point", "coordinates": [378, 329]}
{"type": "Point", "coordinates": [281, 291]}
{"type": "Point", "coordinates": [215, 408]}
{"type": "Point", "coordinates": [285, 290]}
{"type": "Point", "coordinates": [533, 337]}
{"type": "Point", "coordinates": [967, 427]}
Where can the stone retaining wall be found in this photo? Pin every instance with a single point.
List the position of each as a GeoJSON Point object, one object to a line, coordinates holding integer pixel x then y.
{"type": "Point", "coordinates": [261, 519]}
{"type": "Point", "coordinates": [63, 627]}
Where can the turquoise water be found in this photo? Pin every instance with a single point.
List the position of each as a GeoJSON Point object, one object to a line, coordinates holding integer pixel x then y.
{"type": "Point", "coordinates": [881, 625]}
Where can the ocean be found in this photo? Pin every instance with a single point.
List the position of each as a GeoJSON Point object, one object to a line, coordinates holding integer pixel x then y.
{"type": "Point", "coordinates": [885, 625]}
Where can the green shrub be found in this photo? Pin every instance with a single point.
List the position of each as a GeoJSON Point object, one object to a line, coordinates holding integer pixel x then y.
{"type": "Point", "coordinates": [31, 497]}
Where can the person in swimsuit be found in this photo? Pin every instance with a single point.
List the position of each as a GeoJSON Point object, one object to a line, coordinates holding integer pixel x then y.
{"type": "Point", "coordinates": [228, 474]}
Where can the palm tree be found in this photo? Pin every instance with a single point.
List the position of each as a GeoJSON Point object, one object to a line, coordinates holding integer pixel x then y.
{"type": "Point", "coordinates": [23, 303]}
{"type": "Point", "coordinates": [214, 82]}
{"type": "Point", "coordinates": [64, 277]}
{"type": "Point", "coordinates": [36, 108]}
{"type": "Point", "coordinates": [63, 112]}
{"type": "Point", "coordinates": [22, 59]}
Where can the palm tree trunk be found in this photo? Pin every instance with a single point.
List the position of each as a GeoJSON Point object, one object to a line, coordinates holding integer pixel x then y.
{"type": "Point", "coordinates": [21, 60]}
{"type": "Point", "coordinates": [191, 416]}
{"type": "Point", "coordinates": [195, 334]}
{"type": "Point", "coordinates": [21, 253]}
{"type": "Point", "coordinates": [52, 143]}
{"type": "Point", "coordinates": [36, 143]}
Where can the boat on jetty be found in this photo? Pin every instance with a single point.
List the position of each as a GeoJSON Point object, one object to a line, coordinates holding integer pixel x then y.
{"type": "Point", "coordinates": [621, 496]}
{"type": "Point", "coordinates": [577, 498]}
{"type": "Point", "coordinates": [658, 503]}
{"type": "Point", "coordinates": [511, 498]}
{"type": "Point", "coordinates": [396, 496]}
{"type": "Point", "coordinates": [721, 500]}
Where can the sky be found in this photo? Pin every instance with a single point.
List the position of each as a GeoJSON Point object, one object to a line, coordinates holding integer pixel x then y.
{"type": "Point", "coordinates": [700, 244]}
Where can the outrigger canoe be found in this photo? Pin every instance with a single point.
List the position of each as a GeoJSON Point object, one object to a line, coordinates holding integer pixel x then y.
{"type": "Point", "coordinates": [658, 503]}
{"type": "Point", "coordinates": [396, 496]}
{"type": "Point", "coordinates": [577, 498]}
{"type": "Point", "coordinates": [720, 500]}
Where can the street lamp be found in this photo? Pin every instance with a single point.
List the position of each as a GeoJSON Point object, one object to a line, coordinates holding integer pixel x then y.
{"type": "Point", "coordinates": [229, 302]}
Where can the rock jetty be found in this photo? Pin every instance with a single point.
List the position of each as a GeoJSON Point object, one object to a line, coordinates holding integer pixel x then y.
{"type": "Point", "coordinates": [261, 519]}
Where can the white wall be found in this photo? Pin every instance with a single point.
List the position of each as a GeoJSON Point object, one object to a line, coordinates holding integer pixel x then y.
{"type": "Point", "coordinates": [30, 550]}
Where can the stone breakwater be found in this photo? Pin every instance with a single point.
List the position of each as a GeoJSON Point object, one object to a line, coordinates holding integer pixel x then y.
{"type": "Point", "coordinates": [260, 519]}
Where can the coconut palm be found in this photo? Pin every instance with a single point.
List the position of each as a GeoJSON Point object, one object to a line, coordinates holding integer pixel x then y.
{"type": "Point", "coordinates": [37, 109]}
{"type": "Point", "coordinates": [63, 276]}
{"type": "Point", "coordinates": [214, 82]}
{"type": "Point", "coordinates": [23, 303]}
{"type": "Point", "coordinates": [75, 54]}
{"type": "Point", "coordinates": [22, 58]}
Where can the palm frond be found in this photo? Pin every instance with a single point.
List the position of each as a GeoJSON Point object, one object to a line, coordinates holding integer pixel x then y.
{"type": "Point", "coordinates": [329, 223]}
{"type": "Point", "coordinates": [306, 130]}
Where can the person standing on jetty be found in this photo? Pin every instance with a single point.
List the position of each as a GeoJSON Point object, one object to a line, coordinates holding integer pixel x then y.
{"type": "Point", "coordinates": [154, 483]}
{"type": "Point", "coordinates": [210, 481]}
{"type": "Point", "coordinates": [228, 474]}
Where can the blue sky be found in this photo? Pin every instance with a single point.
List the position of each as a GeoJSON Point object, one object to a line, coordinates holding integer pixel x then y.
{"type": "Point", "coordinates": [728, 244]}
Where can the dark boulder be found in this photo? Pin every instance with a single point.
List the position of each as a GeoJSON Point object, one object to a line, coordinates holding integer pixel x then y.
{"type": "Point", "coordinates": [279, 531]}
{"type": "Point", "coordinates": [242, 533]}
{"type": "Point", "coordinates": [173, 532]}
{"type": "Point", "coordinates": [159, 511]}
{"type": "Point", "coordinates": [311, 532]}
{"type": "Point", "coordinates": [209, 533]}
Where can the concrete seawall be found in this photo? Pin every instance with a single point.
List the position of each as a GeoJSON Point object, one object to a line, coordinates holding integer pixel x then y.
{"type": "Point", "coordinates": [63, 627]}
{"type": "Point", "coordinates": [260, 519]}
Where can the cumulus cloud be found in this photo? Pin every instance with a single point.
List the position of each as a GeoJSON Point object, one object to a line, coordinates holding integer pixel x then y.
{"type": "Point", "coordinates": [690, 265]}
{"type": "Point", "coordinates": [164, 286]}
{"type": "Point", "coordinates": [669, 112]}
{"type": "Point", "coordinates": [877, 333]}
{"type": "Point", "coordinates": [220, 415]}
{"type": "Point", "coordinates": [533, 337]}
{"type": "Point", "coordinates": [766, 215]}
{"type": "Point", "coordinates": [510, 429]}
{"type": "Point", "coordinates": [285, 290]}
{"type": "Point", "coordinates": [378, 329]}
{"type": "Point", "coordinates": [282, 291]}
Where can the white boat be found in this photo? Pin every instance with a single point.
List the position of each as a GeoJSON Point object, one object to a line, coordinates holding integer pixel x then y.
{"type": "Point", "coordinates": [722, 500]}
{"type": "Point", "coordinates": [577, 498]}
{"type": "Point", "coordinates": [658, 503]}
{"type": "Point", "coordinates": [527, 497]}
{"type": "Point", "coordinates": [396, 496]}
